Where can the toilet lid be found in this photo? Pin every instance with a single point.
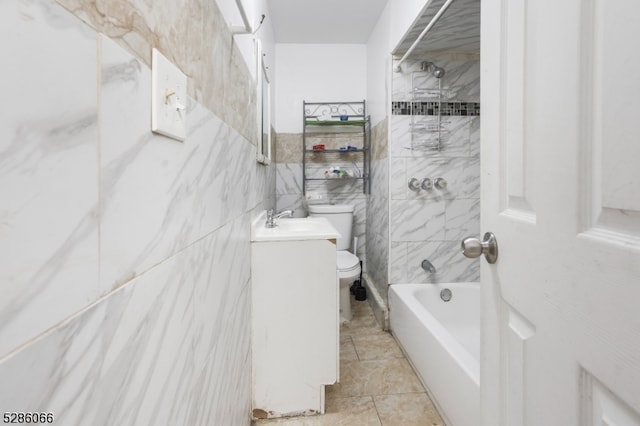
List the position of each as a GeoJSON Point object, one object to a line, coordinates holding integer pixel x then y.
{"type": "Point", "coordinates": [347, 260]}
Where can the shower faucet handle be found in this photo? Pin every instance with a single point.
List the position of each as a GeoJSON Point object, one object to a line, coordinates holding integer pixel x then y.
{"type": "Point", "coordinates": [426, 184]}
{"type": "Point", "coordinates": [414, 184]}
{"type": "Point", "coordinates": [440, 183]}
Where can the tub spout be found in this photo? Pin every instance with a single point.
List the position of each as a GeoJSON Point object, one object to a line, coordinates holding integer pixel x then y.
{"type": "Point", "coordinates": [428, 266]}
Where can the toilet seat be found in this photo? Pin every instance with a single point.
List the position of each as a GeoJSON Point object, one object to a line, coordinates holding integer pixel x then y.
{"type": "Point", "coordinates": [347, 261]}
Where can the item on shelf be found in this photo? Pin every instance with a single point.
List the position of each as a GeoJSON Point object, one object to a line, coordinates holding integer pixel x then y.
{"type": "Point", "coordinates": [337, 173]}
{"type": "Point", "coordinates": [318, 147]}
{"type": "Point", "coordinates": [348, 148]}
{"type": "Point", "coordinates": [344, 117]}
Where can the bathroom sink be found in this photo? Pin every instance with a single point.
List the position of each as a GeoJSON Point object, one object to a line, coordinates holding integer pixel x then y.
{"type": "Point", "coordinates": [291, 229]}
{"type": "Point", "coordinates": [298, 226]}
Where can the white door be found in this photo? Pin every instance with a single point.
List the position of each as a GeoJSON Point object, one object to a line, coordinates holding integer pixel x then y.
{"type": "Point", "coordinates": [561, 192]}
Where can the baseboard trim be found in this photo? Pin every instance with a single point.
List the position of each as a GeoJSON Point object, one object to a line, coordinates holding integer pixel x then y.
{"type": "Point", "coordinates": [377, 302]}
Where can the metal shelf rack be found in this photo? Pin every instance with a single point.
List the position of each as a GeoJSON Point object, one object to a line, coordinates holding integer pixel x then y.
{"type": "Point", "coordinates": [336, 135]}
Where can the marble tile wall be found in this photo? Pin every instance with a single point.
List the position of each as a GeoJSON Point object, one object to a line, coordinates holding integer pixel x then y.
{"type": "Point", "coordinates": [430, 224]}
{"type": "Point", "coordinates": [378, 211]}
{"type": "Point", "coordinates": [193, 35]}
{"type": "Point", "coordinates": [126, 273]}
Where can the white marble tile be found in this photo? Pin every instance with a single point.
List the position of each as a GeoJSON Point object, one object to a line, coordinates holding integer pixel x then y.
{"type": "Point", "coordinates": [400, 142]}
{"type": "Point", "coordinates": [462, 218]}
{"type": "Point", "coordinates": [265, 184]}
{"type": "Point", "coordinates": [134, 171]}
{"type": "Point", "coordinates": [126, 360]}
{"type": "Point", "coordinates": [417, 220]}
{"type": "Point", "coordinates": [378, 258]}
{"type": "Point", "coordinates": [474, 137]}
{"type": "Point", "coordinates": [380, 177]}
{"type": "Point", "coordinates": [377, 226]}
{"type": "Point", "coordinates": [159, 194]}
{"type": "Point", "coordinates": [48, 169]}
{"type": "Point", "coordinates": [221, 393]}
{"type": "Point", "coordinates": [293, 202]}
{"type": "Point", "coordinates": [450, 264]}
{"type": "Point", "coordinates": [398, 263]}
{"type": "Point", "coordinates": [401, 82]}
{"type": "Point", "coordinates": [456, 138]}
{"type": "Point", "coordinates": [221, 172]}
{"type": "Point", "coordinates": [377, 215]}
{"type": "Point", "coordinates": [289, 178]}
{"type": "Point", "coordinates": [398, 180]}
{"type": "Point", "coordinates": [221, 270]}
{"type": "Point", "coordinates": [462, 77]}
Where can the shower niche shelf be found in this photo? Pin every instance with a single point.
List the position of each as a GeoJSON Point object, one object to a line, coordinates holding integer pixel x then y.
{"type": "Point", "coordinates": [335, 146]}
{"type": "Point", "coordinates": [428, 129]}
{"type": "Point", "coordinates": [428, 94]}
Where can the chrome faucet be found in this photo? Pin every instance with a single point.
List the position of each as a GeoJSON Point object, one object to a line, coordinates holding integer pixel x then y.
{"type": "Point", "coordinates": [272, 219]}
{"type": "Point", "coordinates": [428, 266]}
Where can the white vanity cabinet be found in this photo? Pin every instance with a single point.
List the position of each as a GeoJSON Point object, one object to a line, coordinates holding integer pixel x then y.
{"type": "Point", "coordinates": [295, 339]}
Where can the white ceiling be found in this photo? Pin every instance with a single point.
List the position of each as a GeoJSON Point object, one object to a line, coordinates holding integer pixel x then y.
{"type": "Point", "coordinates": [324, 21]}
{"type": "Point", "coordinates": [351, 21]}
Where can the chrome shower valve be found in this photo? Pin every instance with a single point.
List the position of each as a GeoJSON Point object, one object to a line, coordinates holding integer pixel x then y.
{"type": "Point", "coordinates": [414, 184]}
{"type": "Point", "coordinates": [426, 184]}
{"type": "Point", "coordinates": [440, 183]}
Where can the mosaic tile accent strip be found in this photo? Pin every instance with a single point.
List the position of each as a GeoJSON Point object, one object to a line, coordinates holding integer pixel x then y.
{"type": "Point", "coordinates": [435, 108]}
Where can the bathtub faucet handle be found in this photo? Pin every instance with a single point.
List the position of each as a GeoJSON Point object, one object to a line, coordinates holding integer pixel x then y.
{"type": "Point", "coordinates": [414, 184]}
{"type": "Point", "coordinates": [428, 266]}
{"type": "Point", "coordinates": [440, 183]}
{"type": "Point", "coordinates": [426, 184]}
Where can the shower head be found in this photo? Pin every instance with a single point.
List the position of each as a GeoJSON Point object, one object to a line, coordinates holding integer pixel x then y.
{"type": "Point", "coordinates": [437, 72]}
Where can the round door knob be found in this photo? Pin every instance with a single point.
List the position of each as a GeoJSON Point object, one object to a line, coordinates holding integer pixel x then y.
{"type": "Point", "coordinates": [473, 247]}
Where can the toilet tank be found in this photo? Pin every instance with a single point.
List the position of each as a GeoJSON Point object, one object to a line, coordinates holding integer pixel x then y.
{"type": "Point", "coordinates": [340, 216]}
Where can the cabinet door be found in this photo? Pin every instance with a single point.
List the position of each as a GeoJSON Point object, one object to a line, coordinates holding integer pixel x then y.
{"type": "Point", "coordinates": [295, 324]}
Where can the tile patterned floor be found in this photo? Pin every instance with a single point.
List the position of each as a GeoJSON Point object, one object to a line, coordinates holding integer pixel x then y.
{"type": "Point", "coordinates": [377, 385]}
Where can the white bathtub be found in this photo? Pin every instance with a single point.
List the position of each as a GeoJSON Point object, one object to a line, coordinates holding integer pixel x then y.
{"type": "Point", "coordinates": [442, 341]}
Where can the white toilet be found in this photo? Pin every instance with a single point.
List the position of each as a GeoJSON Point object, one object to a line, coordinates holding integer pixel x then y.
{"type": "Point", "coordinates": [341, 217]}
